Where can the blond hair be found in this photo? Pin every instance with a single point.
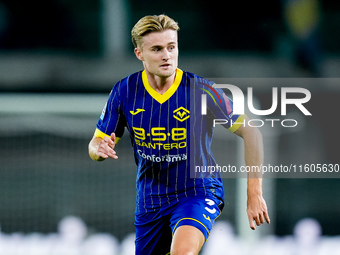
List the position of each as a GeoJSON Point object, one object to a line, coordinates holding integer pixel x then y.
{"type": "Point", "coordinates": [150, 24]}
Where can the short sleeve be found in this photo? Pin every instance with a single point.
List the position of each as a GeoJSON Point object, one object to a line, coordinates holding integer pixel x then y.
{"type": "Point", "coordinates": [221, 107]}
{"type": "Point", "coordinates": [112, 118]}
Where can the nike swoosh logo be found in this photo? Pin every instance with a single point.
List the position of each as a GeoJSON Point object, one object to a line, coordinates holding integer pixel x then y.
{"type": "Point", "coordinates": [137, 111]}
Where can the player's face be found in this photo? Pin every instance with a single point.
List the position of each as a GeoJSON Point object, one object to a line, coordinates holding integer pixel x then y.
{"type": "Point", "coordinates": [159, 53]}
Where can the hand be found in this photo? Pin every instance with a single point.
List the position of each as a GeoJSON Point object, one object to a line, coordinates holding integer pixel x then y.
{"type": "Point", "coordinates": [106, 146]}
{"type": "Point", "coordinates": [257, 211]}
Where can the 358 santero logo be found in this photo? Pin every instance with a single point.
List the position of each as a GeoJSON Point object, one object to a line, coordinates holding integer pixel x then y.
{"type": "Point", "coordinates": [159, 138]}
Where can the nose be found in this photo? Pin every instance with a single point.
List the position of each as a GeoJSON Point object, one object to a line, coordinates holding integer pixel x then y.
{"type": "Point", "coordinates": [166, 55]}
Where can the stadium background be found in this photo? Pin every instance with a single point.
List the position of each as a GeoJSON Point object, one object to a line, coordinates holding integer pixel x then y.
{"type": "Point", "coordinates": [59, 60]}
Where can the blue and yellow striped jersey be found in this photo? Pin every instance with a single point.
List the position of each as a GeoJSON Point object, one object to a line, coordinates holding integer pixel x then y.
{"type": "Point", "coordinates": [160, 127]}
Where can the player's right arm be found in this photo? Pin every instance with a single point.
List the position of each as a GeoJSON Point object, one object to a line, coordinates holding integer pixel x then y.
{"type": "Point", "coordinates": [102, 148]}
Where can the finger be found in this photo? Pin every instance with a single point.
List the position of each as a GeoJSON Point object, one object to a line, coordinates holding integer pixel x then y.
{"type": "Point", "coordinates": [113, 137]}
{"type": "Point", "coordinates": [261, 217]}
{"type": "Point", "coordinates": [252, 225]}
{"type": "Point", "coordinates": [102, 155]}
{"type": "Point", "coordinates": [108, 141]}
{"type": "Point", "coordinates": [105, 150]}
{"type": "Point", "coordinates": [108, 153]}
{"type": "Point", "coordinates": [113, 155]}
{"type": "Point", "coordinates": [266, 216]}
{"type": "Point", "coordinates": [257, 221]}
{"type": "Point", "coordinates": [251, 222]}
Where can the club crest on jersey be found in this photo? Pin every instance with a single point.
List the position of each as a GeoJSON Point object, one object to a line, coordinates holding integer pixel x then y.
{"type": "Point", "coordinates": [181, 114]}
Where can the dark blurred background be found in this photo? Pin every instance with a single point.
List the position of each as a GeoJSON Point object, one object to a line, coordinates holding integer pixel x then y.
{"type": "Point", "coordinates": [59, 60]}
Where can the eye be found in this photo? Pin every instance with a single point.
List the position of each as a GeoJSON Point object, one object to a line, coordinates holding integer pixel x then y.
{"type": "Point", "coordinates": [156, 49]}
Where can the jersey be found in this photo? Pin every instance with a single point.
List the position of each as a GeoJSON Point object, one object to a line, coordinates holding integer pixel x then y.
{"type": "Point", "coordinates": [160, 126]}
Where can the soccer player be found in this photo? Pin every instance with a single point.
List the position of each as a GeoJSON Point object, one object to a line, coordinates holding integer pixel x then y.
{"type": "Point", "coordinates": [175, 208]}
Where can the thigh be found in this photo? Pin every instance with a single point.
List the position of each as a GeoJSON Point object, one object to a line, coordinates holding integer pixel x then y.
{"type": "Point", "coordinates": [153, 234]}
{"type": "Point", "coordinates": [187, 240]}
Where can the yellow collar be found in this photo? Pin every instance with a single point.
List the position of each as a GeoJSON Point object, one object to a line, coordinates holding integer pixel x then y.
{"type": "Point", "coordinates": [161, 98]}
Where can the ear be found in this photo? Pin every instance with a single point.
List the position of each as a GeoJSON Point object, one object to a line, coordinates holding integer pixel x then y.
{"type": "Point", "coordinates": [139, 54]}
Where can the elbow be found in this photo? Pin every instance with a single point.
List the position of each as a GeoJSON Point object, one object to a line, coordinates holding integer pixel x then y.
{"type": "Point", "coordinates": [248, 131]}
{"type": "Point", "coordinates": [258, 134]}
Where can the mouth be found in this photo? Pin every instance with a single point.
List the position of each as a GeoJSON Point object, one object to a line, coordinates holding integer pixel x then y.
{"type": "Point", "coordinates": [165, 65]}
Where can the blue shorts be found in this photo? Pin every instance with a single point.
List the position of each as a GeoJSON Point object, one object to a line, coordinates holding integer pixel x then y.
{"type": "Point", "coordinates": [154, 230]}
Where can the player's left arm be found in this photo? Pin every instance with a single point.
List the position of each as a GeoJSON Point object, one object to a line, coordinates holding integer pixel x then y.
{"type": "Point", "coordinates": [253, 147]}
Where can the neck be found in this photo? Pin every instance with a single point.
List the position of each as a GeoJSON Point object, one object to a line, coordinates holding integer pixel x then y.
{"type": "Point", "coordinates": [160, 84]}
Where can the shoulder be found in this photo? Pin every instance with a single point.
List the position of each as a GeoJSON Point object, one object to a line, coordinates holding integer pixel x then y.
{"type": "Point", "coordinates": [120, 89]}
{"type": "Point", "coordinates": [197, 81]}
{"type": "Point", "coordinates": [189, 75]}
{"type": "Point", "coordinates": [130, 80]}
